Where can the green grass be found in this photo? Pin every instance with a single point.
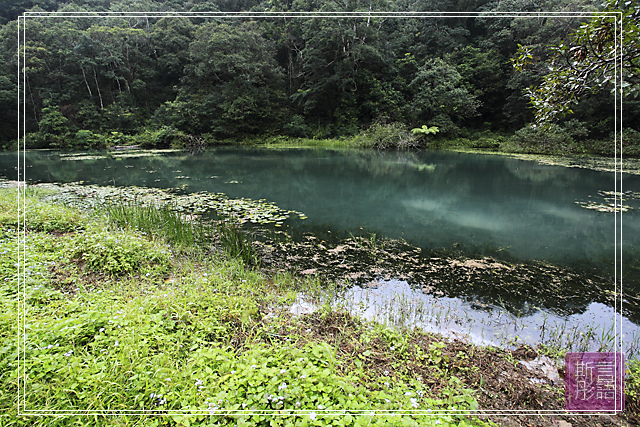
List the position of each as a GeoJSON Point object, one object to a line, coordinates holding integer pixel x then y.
{"type": "Point", "coordinates": [236, 242]}
{"type": "Point", "coordinates": [36, 215]}
{"type": "Point", "coordinates": [160, 222]}
{"type": "Point", "coordinates": [120, 320]}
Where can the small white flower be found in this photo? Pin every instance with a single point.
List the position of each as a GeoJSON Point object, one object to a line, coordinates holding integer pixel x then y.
{"type": "Point", "coordinates": [298, 404]}
{"type": "Point", "coordinates": [414, 402]}
{"type": "Point", "coordinates": [438, 422]}
{"type": "Point", "coordinates": [283, 371]}
{"type": "Point", "coordinates": [233, 372]}
{"type": "Point", "coordinates": [392, 348]}
{"type": "Point", "coordinates": [408, 393]}
{"type": "Point", "coordinates": [312, 415]}
{"type": "Point", "coordinates": [116, 344]}
{"type": "Point", "coordinates": [199, 382]}
{"type": "Point", "coordinates": [320, 407]}
{"type": "Point", "coordinates": [303, 376]}
{"type": "Point", "coordinates": [309, 330]}
{"type": "Point", "coordinates": [386, 372]}
{"type": "Point", "coordinates": [152, 395]}
{"type": "Point", "coordinates": [387, 400]}
{"type": "Point", "coordinates": [386, 384]}
{"type": "Point", "coordinates": [254, 366]}
{"type": "Point", "coordinates": [282, 386]}
{"type": "Point", "coordinates": [244, 405]}
{"type": "Point", "coordinates": [101, 330]}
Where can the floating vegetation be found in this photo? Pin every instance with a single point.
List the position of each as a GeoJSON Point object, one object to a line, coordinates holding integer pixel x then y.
{"type": "Point", "coordinates": [611, 207]}
{"type": "Point", "coordinates": [521, 287]}
{"type": "Point", "coordinates": [125, 154]}
{"type": "Point", "coordinates": [622, 195]}
{"type": "Point", "coordinates": [241, 211]}
{"type": "Point", "coordinates": [612, 201]}
{"type": "Point", "coordinates": [603, 164]}
{"type": "Point", "coordinates": [83, 157]}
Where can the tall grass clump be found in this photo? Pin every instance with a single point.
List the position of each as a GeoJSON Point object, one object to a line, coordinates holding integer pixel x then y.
{"type": "Point", "coordinates": [158, 222]}
{"type": "Point", "coordinates": [237, 242]}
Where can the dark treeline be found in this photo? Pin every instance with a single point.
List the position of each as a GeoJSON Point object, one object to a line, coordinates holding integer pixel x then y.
{"type": "Point", "coordinates": [100, 81]}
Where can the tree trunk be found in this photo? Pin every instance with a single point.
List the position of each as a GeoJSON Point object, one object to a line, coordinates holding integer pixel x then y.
{"type": "Point", "coordinates": [86, 82]}
{"type": "Point", "coordinates": [95, 77]}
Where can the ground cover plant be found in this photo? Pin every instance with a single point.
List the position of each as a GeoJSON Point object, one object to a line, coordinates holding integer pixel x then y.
{"type": "Point", "coordinates": [122, 319]}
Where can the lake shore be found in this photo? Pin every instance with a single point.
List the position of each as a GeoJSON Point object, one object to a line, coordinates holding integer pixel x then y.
{"type": "Point", "coordinates": [179, 328]}
{"type": "Point", "coordinates": [587, 161]}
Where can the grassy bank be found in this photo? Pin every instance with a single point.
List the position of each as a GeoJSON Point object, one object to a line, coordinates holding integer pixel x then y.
{"type": "Point", "coordinates": [136, 319]}
{"type": "Point", "coordinates": [479, 143]}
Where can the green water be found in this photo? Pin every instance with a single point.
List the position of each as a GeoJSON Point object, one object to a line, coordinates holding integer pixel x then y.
{"type": "Point", "coordinates": [483, 204]}
{"type": "Point", "coordinates": [477, 205]}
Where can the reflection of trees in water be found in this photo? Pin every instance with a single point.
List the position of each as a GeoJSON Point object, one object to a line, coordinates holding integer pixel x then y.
{"type": "Point", "coordinates": [101, 168]}
{"type": "Point", "coordinates": [534, 172]}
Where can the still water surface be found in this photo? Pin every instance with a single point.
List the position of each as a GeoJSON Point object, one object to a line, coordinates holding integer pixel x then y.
{"type": "Point", "coordinates": [487, 205]}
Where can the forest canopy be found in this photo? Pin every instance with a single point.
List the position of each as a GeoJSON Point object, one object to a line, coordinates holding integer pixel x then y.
{"type": "Point", "coordinates": [93, 80]}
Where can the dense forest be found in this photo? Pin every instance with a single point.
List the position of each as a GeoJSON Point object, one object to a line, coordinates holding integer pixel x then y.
{"type": "Point", "coordinates": [94, 81]}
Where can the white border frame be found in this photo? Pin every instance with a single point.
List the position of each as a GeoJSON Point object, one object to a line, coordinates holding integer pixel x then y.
{"type": "Point", "coordinates": [22, 185]}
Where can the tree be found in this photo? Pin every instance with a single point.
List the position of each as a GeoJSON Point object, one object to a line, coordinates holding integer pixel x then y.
{"type": "Point", "coordinates": [440, 99]}
{"type": "Point", "coordinates": [590, 60]}
{"type": "Point", "coordinates": [232, 83]}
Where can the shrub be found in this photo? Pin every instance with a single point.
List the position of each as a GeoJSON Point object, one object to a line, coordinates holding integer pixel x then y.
{"type": "Point", "coordinates": [384, 137]}
{"type": "Point", "coordinates": [630, 142]}
{"type": "Point", "coordinates": [548, 139]}
{"type": "Point", "coordinates": [296, 127]}
{"type": "Point", "coordinates": [163, 137]}
{"type": "Point", "coordinates": [88, 139]}
{"type": "Point", "coordinates": [119, 253]}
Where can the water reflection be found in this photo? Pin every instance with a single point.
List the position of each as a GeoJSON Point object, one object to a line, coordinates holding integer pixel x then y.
{"type": "Point", "coordinates": [396, 303]}
{"type": "Point", "coordinates": [487, 205]}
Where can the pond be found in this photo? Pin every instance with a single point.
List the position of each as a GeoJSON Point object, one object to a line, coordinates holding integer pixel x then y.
{"type": "Point", "coordinates": [477, 205]}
